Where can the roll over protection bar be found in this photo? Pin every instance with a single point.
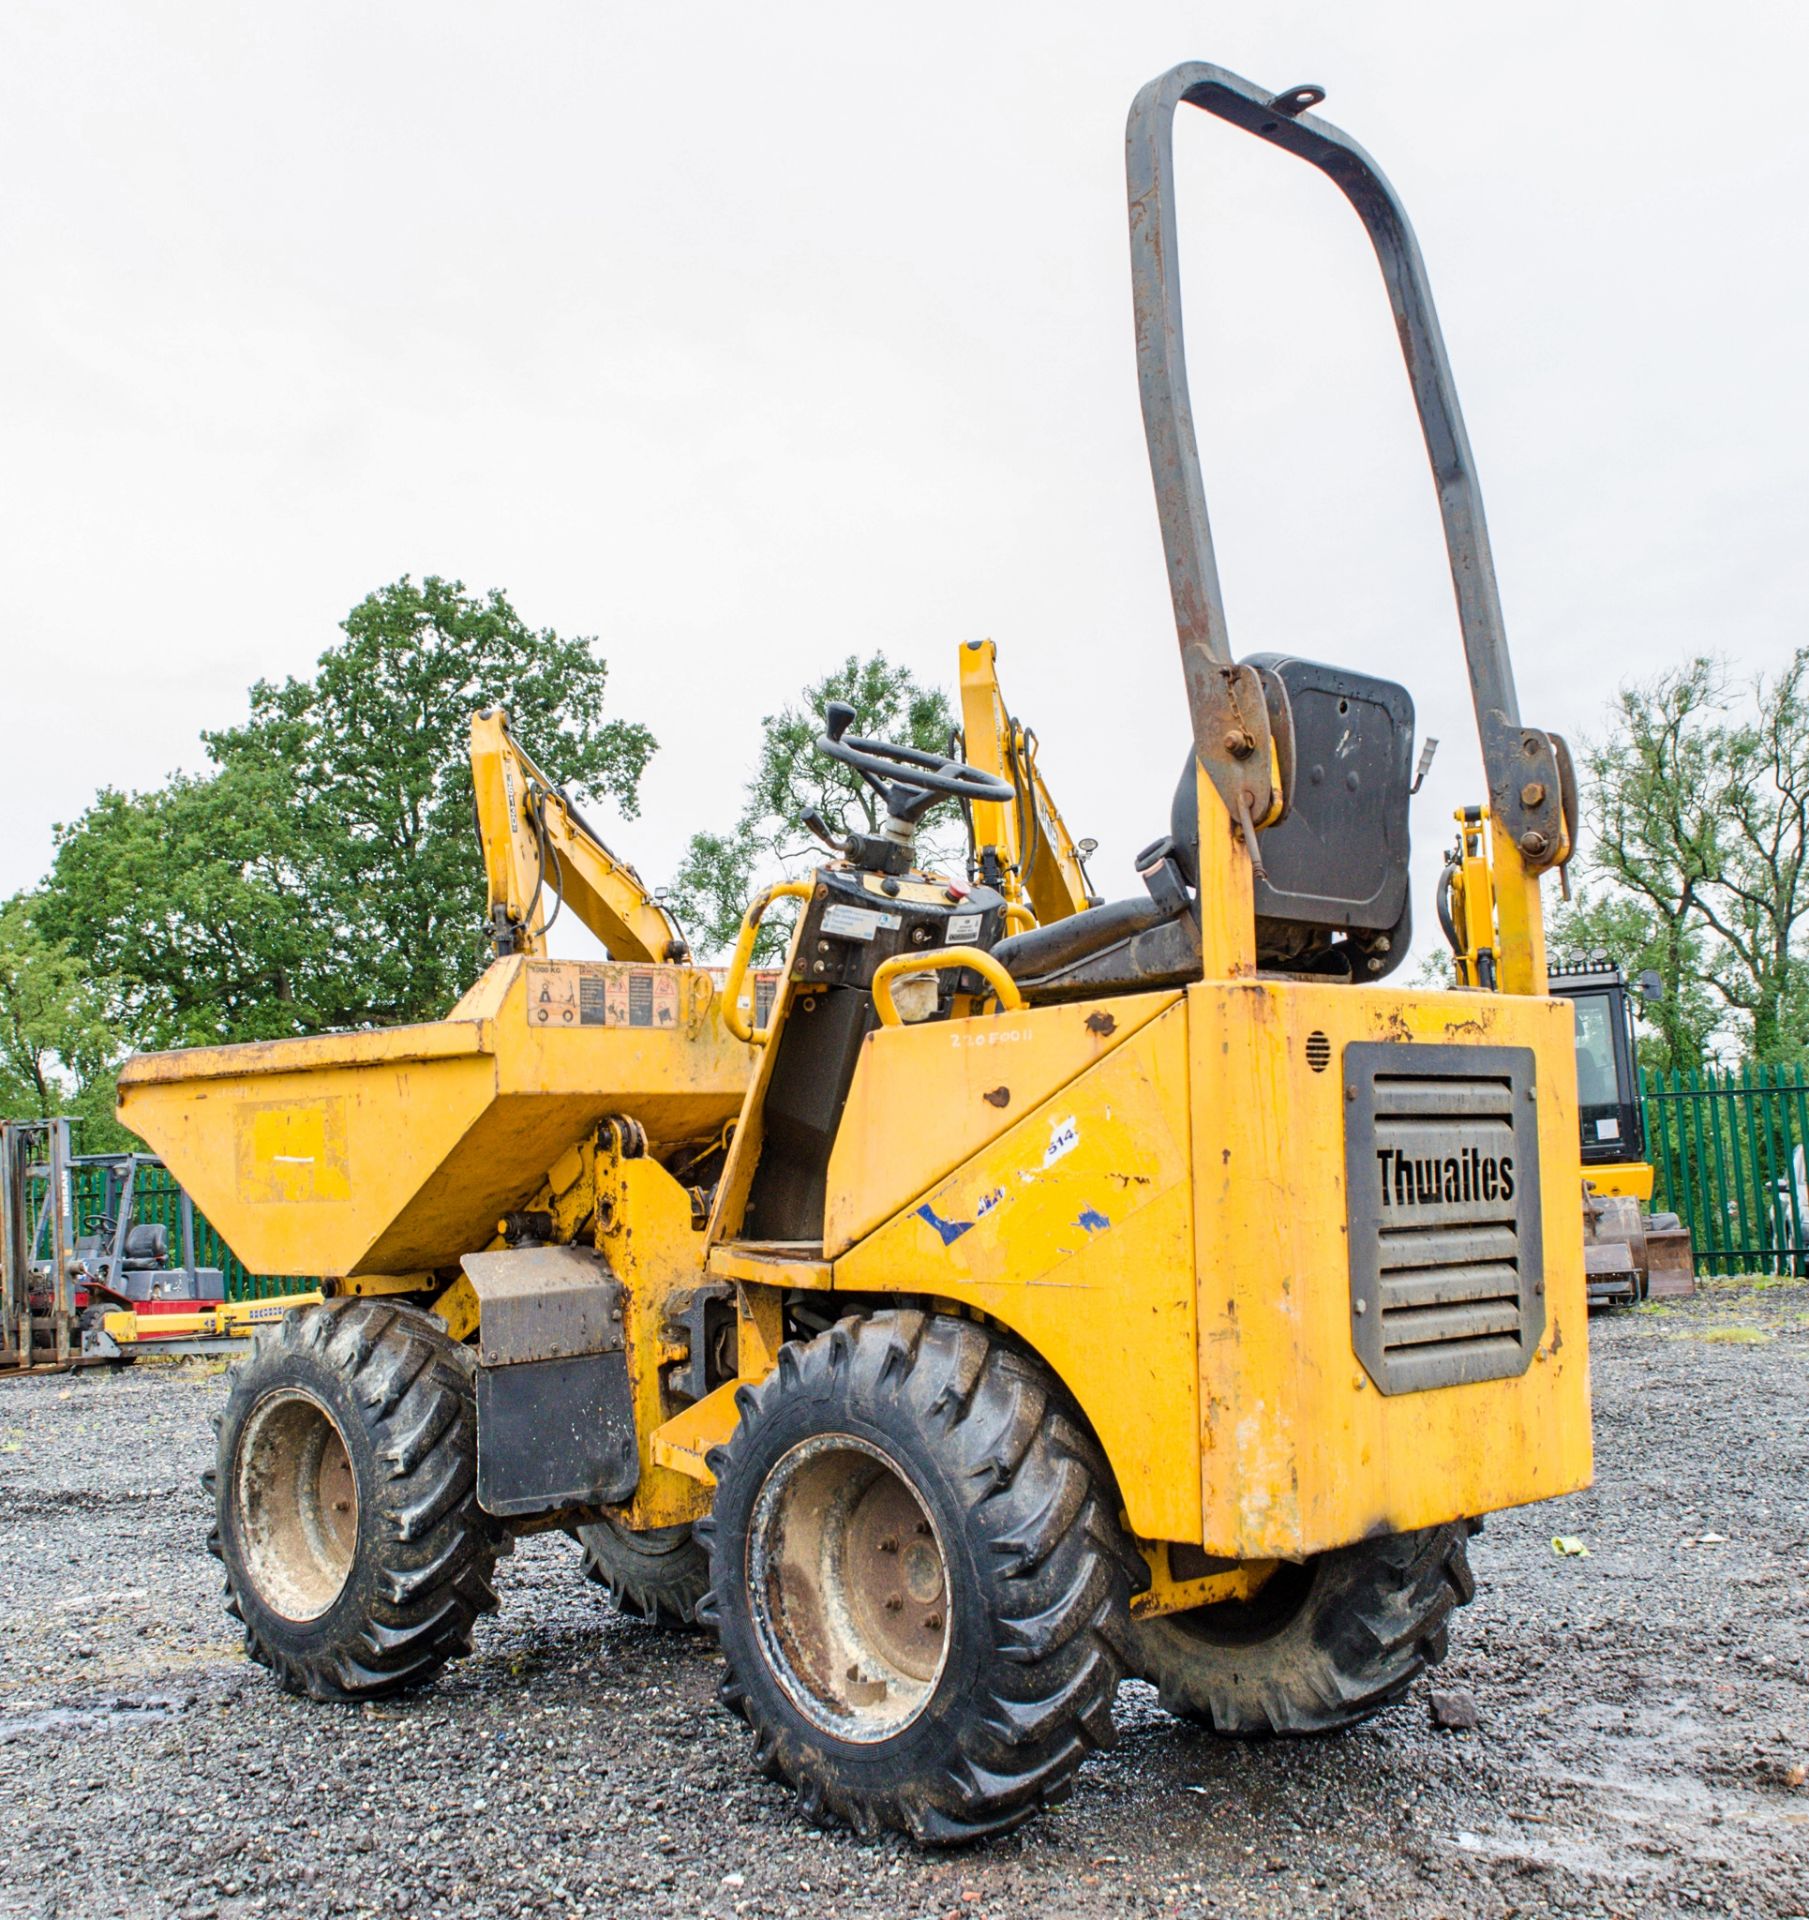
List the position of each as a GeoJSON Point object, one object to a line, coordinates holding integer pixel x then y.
{"type": "Point", "coordinates": [1529, 776]}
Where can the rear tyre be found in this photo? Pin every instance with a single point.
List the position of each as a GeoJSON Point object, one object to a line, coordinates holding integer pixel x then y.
{"type": "Point", "coordinates": [1319, 1646]}
{"type": "Point", "coordinates": [345, 1501]}
{"type": "Point", "coordinates": [918, 1580]}
{"type": "Point", "coordinates": [658, 1576]}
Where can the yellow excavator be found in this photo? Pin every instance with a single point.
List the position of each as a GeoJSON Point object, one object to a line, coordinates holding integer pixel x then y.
{"type": "Point", "coordinates": [1020, 846]}
{"type": "Point", "coordinates": [1630, 1252]}
{"type": "Point", "coordinates": [1159, 1288]}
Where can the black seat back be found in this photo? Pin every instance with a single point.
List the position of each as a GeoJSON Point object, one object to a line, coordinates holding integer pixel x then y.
{"type": "Point", "coordinates": [1338, 863]}
{"type": "Point", "coordinates": [147, 1246]}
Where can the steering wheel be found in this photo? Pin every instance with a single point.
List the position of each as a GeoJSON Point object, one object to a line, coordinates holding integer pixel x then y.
{"type": "Point", "coordinates": [98, 1223]}
{"type": "Point", "coordinates": [884, 761]}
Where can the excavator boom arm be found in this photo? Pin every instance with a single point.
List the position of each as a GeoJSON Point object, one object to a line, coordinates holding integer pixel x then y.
{"type": "Point", "coordinates": [536, 844]}
{"type": "Point", "coordinates": [1021, 846]}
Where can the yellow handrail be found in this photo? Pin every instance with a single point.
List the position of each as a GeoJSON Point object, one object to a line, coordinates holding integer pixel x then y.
{"type": "Point", "coordinates": [989, 969]}
{"type": "Point", "coordinates": [744, 952]}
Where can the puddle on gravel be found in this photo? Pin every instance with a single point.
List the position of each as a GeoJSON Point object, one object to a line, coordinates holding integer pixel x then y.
{"type": "Point", "coordinates": [68, 1719]}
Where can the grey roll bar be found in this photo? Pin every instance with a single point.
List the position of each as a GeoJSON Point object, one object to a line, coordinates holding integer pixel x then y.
{"type": "Point", "coordinates": [1519, 761]}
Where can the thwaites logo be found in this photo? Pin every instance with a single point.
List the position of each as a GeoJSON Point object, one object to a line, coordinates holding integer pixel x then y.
{"type": "Point", "coordinates": [1410, 1180]}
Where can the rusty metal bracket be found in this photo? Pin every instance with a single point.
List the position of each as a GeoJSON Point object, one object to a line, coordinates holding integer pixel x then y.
{"type": "Point", "coordinates": [1528, 775]}
{"type": "Point", "coordinates": [702, 1319]}
{"type": "Point", "coordinates": [1282, 120]}
{"type": "Point", "coordinates": [1243, 733]}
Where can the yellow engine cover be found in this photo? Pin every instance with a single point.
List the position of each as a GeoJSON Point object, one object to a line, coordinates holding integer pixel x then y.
{"type": "Point", "coordinates": [1164, 1214]}
{"type": "Point", "coordinates": [1300, 1451]}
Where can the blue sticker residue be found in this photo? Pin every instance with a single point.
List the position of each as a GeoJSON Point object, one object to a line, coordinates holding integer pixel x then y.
{"type": "Point", "coordinates": [951, 1230]}
{"type": "Point", "coordinates": [1093, 1221]}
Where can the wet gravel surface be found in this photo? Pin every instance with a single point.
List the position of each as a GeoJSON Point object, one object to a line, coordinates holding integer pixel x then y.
{"type": "Point", "coordinates": [1644, 1711]}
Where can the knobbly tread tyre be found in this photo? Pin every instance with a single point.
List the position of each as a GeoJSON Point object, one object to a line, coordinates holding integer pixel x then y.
{"type": "Point", "coordinates": [1038, 1576]}
{"type": "Point", "coordinates": [402, 1395]}
{"type": "Point", "coordinates": [1350, 1634]}
{"type": "Point", "coordinates": [658, 1577]}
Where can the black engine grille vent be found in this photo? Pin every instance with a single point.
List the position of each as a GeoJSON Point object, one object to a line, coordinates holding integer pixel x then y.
{"type": "Point", "coordinates": [1442, 1163]}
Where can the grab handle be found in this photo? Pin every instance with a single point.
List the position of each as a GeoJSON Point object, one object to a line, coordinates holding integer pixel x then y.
{"type": "Point", "coordinates": [746, 1030]}
{"type": "Point", "coordinates": [976, 958]}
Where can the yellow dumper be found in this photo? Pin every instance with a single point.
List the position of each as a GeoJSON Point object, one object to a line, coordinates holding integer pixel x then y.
{"type": "Point", "coordinates": [1007, 1307]}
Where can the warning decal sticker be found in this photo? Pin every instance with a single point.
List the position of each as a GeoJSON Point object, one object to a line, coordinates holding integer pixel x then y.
{"type": "Point", "coordinates": [582, 993]}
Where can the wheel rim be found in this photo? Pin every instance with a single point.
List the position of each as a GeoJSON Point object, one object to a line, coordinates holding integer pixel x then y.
{"type": "Point", "coordinates": [849, 1588]}
{"type": "Point", "coordinates": [297, 1503]}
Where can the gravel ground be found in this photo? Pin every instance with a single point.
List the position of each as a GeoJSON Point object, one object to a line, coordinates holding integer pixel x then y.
{"type": "Point", "coordinates": [1644, 1711]}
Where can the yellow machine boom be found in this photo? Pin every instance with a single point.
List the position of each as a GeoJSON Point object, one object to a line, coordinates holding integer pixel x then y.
{"type": "Point", "coordinates": [1022, 845]}
{"type": "Point", "coordinates": [535, 843]}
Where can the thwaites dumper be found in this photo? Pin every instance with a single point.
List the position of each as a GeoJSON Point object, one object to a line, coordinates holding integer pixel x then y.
{"type": "Point", "coordinates": [1157, 1290]}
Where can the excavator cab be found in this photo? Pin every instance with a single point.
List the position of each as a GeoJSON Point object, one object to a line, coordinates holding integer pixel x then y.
{"type": "Point", "coordinates": [1608, 1102]}
{"type": "Point", "coordinates": [1630, 1252]}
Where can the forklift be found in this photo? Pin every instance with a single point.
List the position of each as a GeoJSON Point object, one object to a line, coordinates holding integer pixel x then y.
{"type": "Point", "coordinates": [40, 1321]}
{"type": "Point", "coordinates": [87, 1280]}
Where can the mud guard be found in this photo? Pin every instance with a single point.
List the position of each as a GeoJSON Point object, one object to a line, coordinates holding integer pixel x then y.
{"type": "Point", "coordinates": [555, 1405]}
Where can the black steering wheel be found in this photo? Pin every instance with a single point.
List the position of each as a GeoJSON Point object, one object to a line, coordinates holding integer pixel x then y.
{"type": "Point", "coordinates": [911, 768]}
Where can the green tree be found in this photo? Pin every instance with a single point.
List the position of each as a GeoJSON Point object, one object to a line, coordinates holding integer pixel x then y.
{"type": "Point", "coordinates": [324, 874]}
{"type": "Point", "coordinates": [193, 900]}
{"type": "Point", "coordinates": [1695, 855]}
{"type": "Point", "coordinates": [58, 1049]}
{"type": "Point", "coordinates": [720, 873]}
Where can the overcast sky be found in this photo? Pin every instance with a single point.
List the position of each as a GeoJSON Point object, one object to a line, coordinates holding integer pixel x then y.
{"type": "Point", "coordinates": [744, 338]}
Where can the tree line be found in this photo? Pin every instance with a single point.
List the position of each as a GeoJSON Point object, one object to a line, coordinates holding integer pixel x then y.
{"type": "Point", "coordinates": [322, 872]}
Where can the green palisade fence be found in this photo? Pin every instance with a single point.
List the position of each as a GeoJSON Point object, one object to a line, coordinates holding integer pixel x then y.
{"type": "Point", "coordinates": [1728, 1150]}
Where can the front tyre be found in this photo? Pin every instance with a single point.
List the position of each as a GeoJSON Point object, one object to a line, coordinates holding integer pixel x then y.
{"type": "Point", "coordinates": [1319, 1646]}
{"type": "Point", "coordinates": [345, 1501]}
{"type": "Point", "coordinates": [918, 1580]}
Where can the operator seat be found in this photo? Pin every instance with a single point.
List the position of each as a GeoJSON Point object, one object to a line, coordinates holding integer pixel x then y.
{"type": "Point", "coordinates": [147, 1247]}
{"type": "Point", "coordinates": [1126, 945]}
{"type": "Point", "coordinates": [1334, 902]}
